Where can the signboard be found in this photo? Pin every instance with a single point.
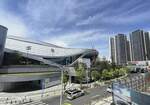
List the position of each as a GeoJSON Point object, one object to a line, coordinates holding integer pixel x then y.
{"type": "Point", "coordinates": [121, 94]}
{"type": "Point", "coordinates": [139, 98]}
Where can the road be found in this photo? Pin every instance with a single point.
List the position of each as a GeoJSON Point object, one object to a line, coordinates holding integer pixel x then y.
{"type": "Point", "coordinates": [91, 94]}
{"type": "Point", "coordinates": [95, 92]}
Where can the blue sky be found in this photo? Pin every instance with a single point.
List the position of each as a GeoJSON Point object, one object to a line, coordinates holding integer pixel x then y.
{"type": "Point", "coordinates": [75, 23]}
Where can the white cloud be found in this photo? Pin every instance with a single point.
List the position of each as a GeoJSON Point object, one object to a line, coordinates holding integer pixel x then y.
{"type": "Point", "coordinates": [75, 38]}
{"type": "Point", "coordinates": [51, 11]}
{"type": "Point", "coordinates": [14, 24]}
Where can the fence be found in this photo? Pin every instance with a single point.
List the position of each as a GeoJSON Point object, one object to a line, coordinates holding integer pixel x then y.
{"type": "Point", "coordinates": [132, 90]}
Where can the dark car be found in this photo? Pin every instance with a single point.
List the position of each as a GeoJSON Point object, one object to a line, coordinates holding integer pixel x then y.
{"type": "Point", "coordinates": [119, 102]}
{"type": "Point", "coordinates": [144, 70]}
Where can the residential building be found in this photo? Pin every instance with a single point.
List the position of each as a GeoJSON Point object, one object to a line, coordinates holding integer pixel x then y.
{"type": "Point", "coordinates": [121, 49]}
{"type": "Point", "coordinates": [112, 50]}
{"type": "Point", "coordinates": [118, 47]}
{"type": "Point", "coordinates": [147, 45]}
{"type": "Point", "coordinates": [128, 51]}
{"type": "Point", "coordinates": [140, 45]}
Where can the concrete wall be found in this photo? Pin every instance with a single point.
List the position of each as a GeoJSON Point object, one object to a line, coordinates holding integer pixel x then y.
{"type": "Point", "coordinates": [27, 69]}
{"type": "Point", "coordinates": [5, 86]}
{"type": "Point", "coordinates": [41, 83]}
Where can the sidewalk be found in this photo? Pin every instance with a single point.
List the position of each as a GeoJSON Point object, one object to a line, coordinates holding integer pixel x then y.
{"type": "Point", "coordinates": [106, 101]}
{"type": "Point", "coordinates": [52, 92]}
{"type": "Point", "coordinates": [36, 95]}
{"type": "Point", "coordinates": [20, 98]}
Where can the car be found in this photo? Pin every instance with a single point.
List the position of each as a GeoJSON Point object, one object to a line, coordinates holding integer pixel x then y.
{"type": "Point", "coordinates": [138, 70]}
{"type": "Point", "coordinates": [109, 89]}
{"type": "Point", "coordinates": [74, 93]}
{"type": "Point", "coordinates": [119, 102]}
{"type": "Point", "coordinates": [144, 70]}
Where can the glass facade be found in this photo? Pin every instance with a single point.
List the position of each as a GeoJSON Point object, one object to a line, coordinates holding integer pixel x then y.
{"type": "Point", "coordinates": [3, 34]}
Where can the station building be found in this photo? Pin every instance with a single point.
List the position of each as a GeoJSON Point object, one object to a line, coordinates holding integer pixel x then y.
{"type": "Point", "coordinates": [25, 62]}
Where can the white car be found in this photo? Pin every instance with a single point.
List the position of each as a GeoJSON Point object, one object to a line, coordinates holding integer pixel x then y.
{"type": "Point", "coordinates": [72, 94]}
{"type": "Point", "coordinates": [109, 89]}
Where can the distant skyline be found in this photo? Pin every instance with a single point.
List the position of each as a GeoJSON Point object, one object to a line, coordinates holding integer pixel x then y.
{"type": "Point", "coordinates": [74, 23]}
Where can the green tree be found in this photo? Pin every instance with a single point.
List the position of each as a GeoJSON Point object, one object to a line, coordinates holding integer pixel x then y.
{"type": "Point", "coordinates": [101, 65]}
{"type": "Point", "coordinates": [65, 79]}
{"type": "Point", "coordinates": [95, 75]}
{"type": "Point", "coordinates": [106, 74]}
{"type": "Point", "coordinates": [113, 65]}
{"type": "Point", "coordinates": [116, 73]}
{"type": "Point", "coordinates": [81, 73]}
{"type": "Point", "coordinates": [123, 71]}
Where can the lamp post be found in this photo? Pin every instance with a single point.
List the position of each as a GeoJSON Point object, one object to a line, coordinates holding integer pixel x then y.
{"type": "Point", "coordinates": [61, 96]}
{"type": "Point", "coordinates": [27, 49]}
{"type": "Point", "coordinates": [62, 73]}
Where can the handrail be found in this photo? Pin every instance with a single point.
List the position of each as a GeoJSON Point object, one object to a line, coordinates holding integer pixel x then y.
{"type": "Point", "coordinates": [81, 57]}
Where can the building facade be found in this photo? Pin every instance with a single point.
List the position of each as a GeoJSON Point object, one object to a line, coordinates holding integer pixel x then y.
{"type": "Point", "coordinates": [112, 50]}
{"type": "Point", "coordinates": [140, 45]}
{"type": "Point", "coordinates": [121, 49]}
{"type": "Point", "coordinates": [147, 45]}
{"type": "Point", "coordinates": [3, 34]}
{"type": "Point", "coordinates": [128, 51]}
{"type": "Point", "coordinates": [27, 61]}
{"type": "Point", "coordinates": [118, 46]}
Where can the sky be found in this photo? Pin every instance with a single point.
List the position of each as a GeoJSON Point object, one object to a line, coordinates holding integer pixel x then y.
{"type": "Point", "coordinates": [74, 23]}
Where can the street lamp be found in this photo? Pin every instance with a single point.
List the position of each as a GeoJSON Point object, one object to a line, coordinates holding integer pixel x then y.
{"type": "Point", "coordinates": [27, 49]}
{"type": "Point", "coordinates": [62, 70]}
{"type": "Point", "coordinates": [61, 97]}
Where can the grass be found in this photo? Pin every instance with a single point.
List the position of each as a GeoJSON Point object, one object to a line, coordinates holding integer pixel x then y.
{"type": "Point", "coordinates": [67, 104]}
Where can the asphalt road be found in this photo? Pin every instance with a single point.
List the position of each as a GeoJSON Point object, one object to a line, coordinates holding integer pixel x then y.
{"type": "Point", "coordinates": [91, 94]}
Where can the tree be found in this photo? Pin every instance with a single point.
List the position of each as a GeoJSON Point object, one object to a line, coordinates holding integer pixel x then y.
{"type": "Point", "coordinates": [123, 71]}
{"type": "Point", "coordinates": [65, 79]}
{"type": "Point", "coordinates": [113, 66]}
{"type": "Point", "coordinates": [81, 73]}
{"type": "Point", "coordinates": [116, 73]}
{"type": "Point", "coordinates": [107, 74]}
{"type": "Point", "coordinates": [101, 65]}
{"type": "Point", "coordinates": [95, 75]}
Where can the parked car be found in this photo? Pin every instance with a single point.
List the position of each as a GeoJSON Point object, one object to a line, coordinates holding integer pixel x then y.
{"type": "Point", "coordinates": [119, 102]}
{"type": "Point", "coordinates": [138, 70]}
{"type": "Point", "coordinates": [143, 70]}
{"type": "Point", "coordinates": [109, 89]}
{"type": "Point", "coordinates": [74, 93]}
